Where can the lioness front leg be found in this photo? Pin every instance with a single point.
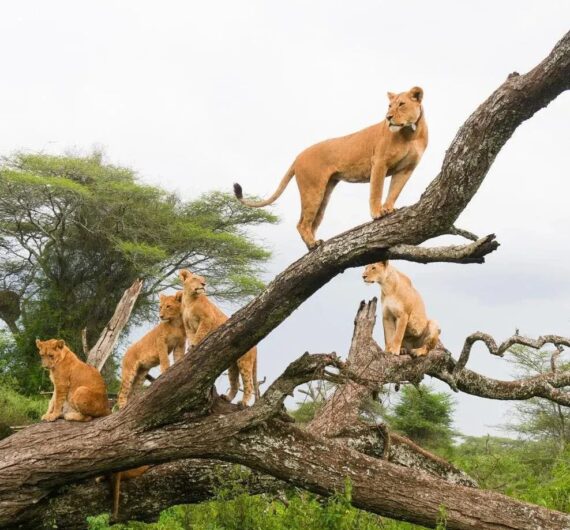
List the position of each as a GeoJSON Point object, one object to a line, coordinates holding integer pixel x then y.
{"type": "Point", "coordinates": [203, 330]}
{"type": "Point", "coordinates": [377, 177]}
{"type": "Point", "coordinates": [396, 185]}
{"type": "Point", "coordinates": [59, 397]}
{"type": "Point", "coordinates": [178, 352]}
{"type": "Point", "coordinates": [395, 345]}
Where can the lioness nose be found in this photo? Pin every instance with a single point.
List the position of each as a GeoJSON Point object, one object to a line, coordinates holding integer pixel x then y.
{"type": "Point", "coordinates": [389, 116]}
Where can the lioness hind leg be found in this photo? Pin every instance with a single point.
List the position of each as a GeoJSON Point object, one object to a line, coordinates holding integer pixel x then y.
{"type": "Point", "coordinates": [88, 403]}
{"type": "Point", "coordinates": [233, 374]}
{"type": "Point", "coordinates": [246, 365]}
{"type": "Point", "coordinates": [73, 415]}
{"type": "Point", "coordinates": [321, 212]}
{"type": "Point", "coordinates": [431, 339]}
{"type": "Point", "coordinates": [312, 196]}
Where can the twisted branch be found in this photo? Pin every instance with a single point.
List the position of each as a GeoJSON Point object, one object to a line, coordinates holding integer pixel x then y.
{"type": "Point", "coordinates": [489, 341]}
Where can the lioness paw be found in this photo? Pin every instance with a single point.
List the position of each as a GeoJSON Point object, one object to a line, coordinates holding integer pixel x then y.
{"type": "Point", "coordinates": [50, 417]}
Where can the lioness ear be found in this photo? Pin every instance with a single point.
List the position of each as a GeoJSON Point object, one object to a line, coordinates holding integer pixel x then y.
{"type": "Point", "coordinates": [183, 274]}
{"type": "Point", "coordinates": [391, 95]}
{"type": "Point", "coordinates": [385, 263]}
{"type": "Point", "coordinates": [161, 296]}
{"type": "Point", "coordinates": [60, 344]}
{"type": "Point", "coordinates": [38, 342]}
{"type": "Point", "coordinates": [178, 296]}
{"type": "Point", "coordinates": [416, 93]}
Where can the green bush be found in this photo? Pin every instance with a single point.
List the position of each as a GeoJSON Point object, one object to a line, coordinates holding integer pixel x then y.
{"type": "Point", "coordinates": [234, 509]}
{"type": "Point", "coordinates": [17, 409]}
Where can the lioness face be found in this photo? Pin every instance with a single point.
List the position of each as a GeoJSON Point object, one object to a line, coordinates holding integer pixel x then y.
{"type": "Point", "coordinates": [170, 307]}
{"type": "Point", "coordinates": [376, 272]}
{"type": "Point", "coordinates": [51, 352]}
{"type": "Point", "coordinates": [405, 109]}
{"type": "Point", "coordinates": [193, 284]}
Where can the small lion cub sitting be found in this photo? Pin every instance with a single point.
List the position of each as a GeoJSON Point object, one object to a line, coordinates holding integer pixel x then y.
{"type": "Point", "coordinates": [75, 383]}
{"type": "Point", "coordinates": [403, 312]}
{"type": "Point", "coordinates": [201, 317]}
{"type": "Point", "coordinates": [153, 349]}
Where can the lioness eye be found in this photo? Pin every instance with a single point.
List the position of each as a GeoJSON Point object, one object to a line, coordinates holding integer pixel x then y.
{"type": "Point", "coordinates": [401, 104]}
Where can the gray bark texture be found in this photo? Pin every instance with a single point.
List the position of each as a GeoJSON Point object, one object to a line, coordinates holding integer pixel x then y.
{"type": "Point", "coordinates": [180, 417]}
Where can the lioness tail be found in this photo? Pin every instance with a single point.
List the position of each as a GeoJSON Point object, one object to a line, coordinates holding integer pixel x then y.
{"type": "Point", "coordinates": [282, 185]}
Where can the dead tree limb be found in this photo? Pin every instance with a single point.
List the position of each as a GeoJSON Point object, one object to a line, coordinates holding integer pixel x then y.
{"type": "Point", "coordinates": [178, 416]}
{"type": "Point", "coordinates": [99, 354]}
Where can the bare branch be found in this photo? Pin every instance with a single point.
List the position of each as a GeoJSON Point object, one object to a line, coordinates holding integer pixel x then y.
{"type": "Point", "coordinates": [472, 253]}
{"type": "Point", "coordinates": [489, 341]}
{"type": "Point", "coordinates": [454, 231]}
{"type": "Point", "coordinates": [110, 334]}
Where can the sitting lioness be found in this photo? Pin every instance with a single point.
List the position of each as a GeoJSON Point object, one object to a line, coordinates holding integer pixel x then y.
{"type": "Point", "coordinates": [201, 317]}
{"type": "Point", "coordinates": [403, 312]}
{"type": "Point", "coordinates": [75, 383]}
{"type": "Point", "coordinates": [153, 349]}
{"type": "Point", "coordinates": [392, 147]}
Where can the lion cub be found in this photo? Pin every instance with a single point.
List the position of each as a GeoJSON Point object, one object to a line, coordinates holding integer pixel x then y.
{"type": "Point", "coordinates": [75, 383]}
{"type": "Point", "coordinates": [392, 147]}
{"type": "Point", "coordinates": [153, 349]}
{"type": "Point", "coordinates": [202, 316]}
{"type": "Point", "coordinates": [403, 312]}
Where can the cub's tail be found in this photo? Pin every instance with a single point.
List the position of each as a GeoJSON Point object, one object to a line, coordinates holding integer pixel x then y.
{"type": "Point", "coordinates": [282, 185]}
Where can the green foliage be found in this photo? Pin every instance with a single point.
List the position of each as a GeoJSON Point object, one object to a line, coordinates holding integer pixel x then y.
{"type": "Point", "coordinates": [539, 419]}
{"type": "Point", "coordinates": [234, 509]}
{"type": "Point", "coordinates": [17, 409]}
{"type": "Point", "coordinates": [530, 471]}
{"type": "Point", "coordinates": [424, 416]}
{"type": "Point", "coordinates": [75, 232]}
{"type": "Point", "coordinates": [306, 411]}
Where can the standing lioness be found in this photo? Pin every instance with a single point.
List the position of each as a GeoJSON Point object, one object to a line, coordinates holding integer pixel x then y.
{"type": "Point", "coordinates": [201, 316]}
{"type": "Point", "coordinates": [392, 147]}
{"type": "Point", "coordinates": [406, 324]}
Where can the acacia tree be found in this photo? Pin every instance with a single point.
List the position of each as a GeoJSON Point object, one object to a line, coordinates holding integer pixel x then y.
{"type": "Point", "coordinates": [180, 415]}
{"type": "Point", "coordinates": [75, 232]}
{"type": "Point", "coordinates": [539, 419]}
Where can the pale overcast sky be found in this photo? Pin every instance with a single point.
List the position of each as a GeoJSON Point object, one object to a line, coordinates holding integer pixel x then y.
{"type": "Point", "coordinates": [196, 95]}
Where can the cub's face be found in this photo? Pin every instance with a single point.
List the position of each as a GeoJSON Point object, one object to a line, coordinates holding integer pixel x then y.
{"type": "Point", "coordinates": [193, 284]}
{"type": "Point", "coordinates": [51, 352]}
{"type": "Point", "coordinates": [376, 272]}
{"type": "Point", "coordinates": [404, 109]}
{"type": "Point", "coordinates": [170, 307]}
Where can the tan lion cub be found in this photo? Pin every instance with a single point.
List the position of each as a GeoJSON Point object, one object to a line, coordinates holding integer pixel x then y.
{"type": "Point", "coordinates": [403, 312]}
{"type": "Point", "coordinates": [75, 383]}
{"type": "Point", "coordinates": [392, 147]}
{"type": "Point", "coordinates": [153, 349]}
{"type": "Point", "coordinates": [202, 316]}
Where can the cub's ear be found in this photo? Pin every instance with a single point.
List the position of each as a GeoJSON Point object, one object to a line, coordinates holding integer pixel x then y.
{"type": "Point", "coordinates": [38, 342]}
{"type": "Point", "coordinates": [416, 93]}
{"type": "Point", "coordinates": [183, 274]}
{"type": "Point", "coordinates": [385, 262]}
{"type": "Point", "coordinates": [391, 95]}
{"type": "Point", "coordinates": [60, 344]}
{"type": "Point", "coordinates": [178, 296]}
{"type": "Point", "coordinates": [161, 296]}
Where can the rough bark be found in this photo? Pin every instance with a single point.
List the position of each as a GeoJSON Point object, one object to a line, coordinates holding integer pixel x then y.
{"type": "Point", "coordinates": [179, 417]}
